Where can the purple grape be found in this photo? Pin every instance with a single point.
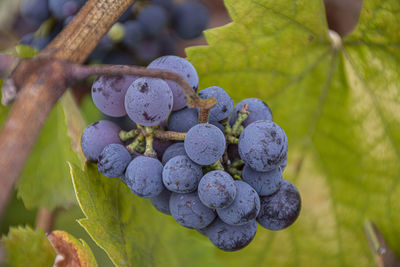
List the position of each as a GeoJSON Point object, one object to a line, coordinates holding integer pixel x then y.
{"type": "Point", "coordinates": [230, 237]}
{"type": "Point", "coordinates": [217, 189]}
{"type": "Point", "coordinates": [133, 33]}
{"type": "Point", "coordinates": [182, 120]}
{"type": "Point", "coordinates": [182, 67]}
{"type": "Point", "coordinates": [189, 212]}
{"type": "Point", "coordinates": [190, 19]}
{"type": "Point", "coordinates": [96, 136]}
{"type": "Point", "coordinates": [36, 11]}
{"type": "Point", "coordinates": [113, 160]}
{"type": "Point", "coordinates": [265, 183]}
{"type": "Point", "coordinates": [148, 101]}
{"type": "Point", "coordinates": [146, 50]}
{"type": "Point", "coordinates": [143, 177]}
{"type": "Point", "coordinates": [161, 201]}
{"type": "Point", "coordinates": [224, 106]}
{"type": "Point", "coordinates": [263, 145]}
{"type": "Point", "coordinates": [176, 149]}
{"type": "Point", "coordinates": [181, 175]}
{"type": "Point", "coordinates": [61, 9]}
{"type": "Point", "coordinates": [160, 146]}
{"type": "Point", "coordinates": [281, 209]}
{"type": "Point", "coordinates": [108, 94]}
{"type": "Point", "coordinates": [244, 208]}
{"type": "Point", "coordinates": [258, 110]}
{"type": "Point", "coordinates": [204, 143]}
{"type": "Point", "coordinates": [153, 20]}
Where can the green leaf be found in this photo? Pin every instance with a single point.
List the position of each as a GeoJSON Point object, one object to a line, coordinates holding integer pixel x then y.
{"type": "Point", "coordinates": [45, 181]}
{"type": "Point", "coordinates": [74, 252]}
{"type": "Point", "coordinates": [26, 247]}
{"type": "Point", "coordinates": [340, 109]}
{"type": "Point", "coordinates": [130, 230]}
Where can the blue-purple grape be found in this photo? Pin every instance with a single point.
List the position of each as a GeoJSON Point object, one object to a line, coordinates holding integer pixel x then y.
{"type": "Point", "coordinates": [161, 201]}
{"type": "Point", "coordinates": [62, 9]}
{"type": "Point", "coordinates": [153, 20]}
{"type": "Point", "coordinates": [224, 105]}
{"type": "Point", "coordinates": [96, 136]}
{"type": "Point", "coordinates": [148, 101]}
{"type": "Point", "coordinates": [108, 94]}
{"type": "Point", "coordinates": [133, 33]}
{"type": "Point", "coordinates": [204, 143]}
{"type": "Point", "coordinates": [258, 110]}
{"type": "Point", "coordinates": [182, 67]}
{"type": "Point", "coordinates": [144, 177]}
{"type": "Point", "coordinates": [181, 175]}
{"type": "Point", "coordinates": [182, 120]}
{"type": "Point", "coordinates": [244, 208]}
{"type": "Point", "coordinates": [263, 145]}
{"type": "Point", "coordinates": [217, 189]}
{"type": "Point", "coordinates": [160, 146]}
{"type": "Point", "coordinates": [281, 209]}
{"type": "Point", "coordinates": [113, 160]}
{"type": "Point", "coordinates": [190, 19]}
{"type": "Point", "coordinates": [265, 183]}
{"type": "Point", "coordinates": [174, 150]}
{"type": "Point", "coordinates": [230, 237]}
{"type": "Point", "coordinates": [36, 11]}
{"type": "Point", "coordinates": [189, 212]}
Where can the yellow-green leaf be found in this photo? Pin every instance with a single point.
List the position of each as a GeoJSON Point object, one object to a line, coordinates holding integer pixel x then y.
{"type": "Point", "coordinates": [340, 107]}
{"type": "Point", "coordinates": [130, 230]}
{"type": "Point", "coordinates": [26, 247]}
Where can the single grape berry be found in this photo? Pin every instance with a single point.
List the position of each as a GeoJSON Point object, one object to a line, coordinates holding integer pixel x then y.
{"type": "Point", "coordinates": [281, 209]}
{"type": "Point", "coordinates": [96, 136]}
{"type": "Point", "coordinates": [144, 177]}
{"type": "Point", "coordinates": [108, 94]}
{"type": "Point", "coordinates": [217, 189]}
{"type": "Point", "coordinates": [230, 237]}
{"type": "Point", "coordinates": [189, 212]}
{"type": "Point", "coordinates": [148, 101]}
{"type": "Point", "coordinates": [224, 105]}
{"type": "Point", "coordinates": [190, 19]}
{"type": "Point", "coordinates": [258, 110]}
{"type": "Point", "coordinates": [176, 149]}
{"type": "Point", "coordinates": [265, 183]}
{"type": "Point", "coordinates": [204, 143]}
{"type": "Point", "coordinates": [181, 175]}
{"type": "Point", "coordinates": [36, 11]}
{"type": "Point", "coordinates": [113, 160]}
{"type": "Point", "coordinates": [161, 201]}
{"type": "Point", "coordinates": [153, 20]}
{"type": "Point", "coordinates": [263, 145]}
{"type": "Point", "coordinates": [133, 33]}
{"type": "Point", "coordinates": [62, 9]}
{"type": "Point", "coordinates": [181, 67]}
{"type": "Point", "coordinates": [244, 208]}
{"type": "Point", "coordinates": [182, 120]}
{"type": "Point", "coordinates": [160, 146]}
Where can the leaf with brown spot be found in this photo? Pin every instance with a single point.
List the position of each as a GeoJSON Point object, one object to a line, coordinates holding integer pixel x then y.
{"type": "Point", "coordinates": [71, 251]}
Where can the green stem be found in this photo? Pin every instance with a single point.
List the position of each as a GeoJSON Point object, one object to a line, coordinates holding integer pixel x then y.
{"type": "Point", "coordinates": [124, 135]}
{"type": "Point", "coordinates": [132, 146]}
{"type": "Point", "coordinates": [227, 126]}
{"type": "Point", "coordinates": [236, 174]}
{"type": "Point", "coordinates": [237, 163]}
{"type": "Point", "coordinates": [217, 166]}
{"type": "Point", "coordinates": [149, 136]}
{"type": "Point", "coordinates": [242, 116]}
{"type": "Point", "coordinates": [232, 139]}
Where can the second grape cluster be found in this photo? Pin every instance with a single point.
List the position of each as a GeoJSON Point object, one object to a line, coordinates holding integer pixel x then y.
{"type": "Point", "coordinates": [219, 177]}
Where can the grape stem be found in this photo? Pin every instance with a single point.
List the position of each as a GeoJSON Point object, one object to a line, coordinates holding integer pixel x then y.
{"type": "Point", "coordinates": [217, 166]}
{"type": "Point", "coordinates": [124, 135]}
{"type": "Point", "coordinates": [81, 72]}
{"type": "Point", "coordinates": [203, 115]}
{"type": "Point", "coordinates": [236, 174]}
{"type": "Point", "coordinates": [132, 146]}
{"type": "Point", "coordinates": [148, 134]}
{"type": "Point", "coordinates": [243, 114]}
{"type": "Point", "coordinates": [169, 135]}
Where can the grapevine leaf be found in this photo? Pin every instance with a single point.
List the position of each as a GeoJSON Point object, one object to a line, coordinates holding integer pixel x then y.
{"type": "Point", "coordinates": [45, 179]}
{"type": "Point", "coordinates": [132, 232]}
{"type": "Point", "coordinates": [340, 107]}
{"type": "Point", "coordinates": [73, 252]}
{"type": "Point", "coordinates": [26, 247]}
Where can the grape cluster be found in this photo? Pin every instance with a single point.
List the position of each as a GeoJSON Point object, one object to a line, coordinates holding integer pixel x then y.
{"type": "Point", "coordinates": [219, 178]}
{"type": "Point", "coordinates": [145, 31]}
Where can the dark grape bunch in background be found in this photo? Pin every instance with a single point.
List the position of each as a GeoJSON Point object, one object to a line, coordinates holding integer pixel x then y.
{"type": "Point", "coordinates": [222, 178]}
{"type": "Point", "coordinates": [147, 30]}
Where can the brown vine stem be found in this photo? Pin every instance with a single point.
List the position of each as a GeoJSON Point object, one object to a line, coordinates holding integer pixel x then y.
{"type": "Point", "coordinates": [41, 82]}
{"type": "Point", "coordinates": [203, 114]}
{"type": "Point", "coordinates": [45, 219]}
{"type": "Point", "coordinates": [80, 72]}
{"type": "Point", "coordinates": [169, 135]}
